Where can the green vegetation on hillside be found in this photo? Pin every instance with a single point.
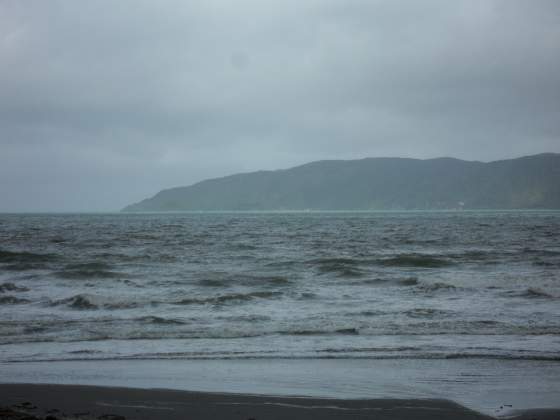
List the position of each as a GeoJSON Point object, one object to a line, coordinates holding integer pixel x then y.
{"type": "Point", "coordinates": [531, 182]}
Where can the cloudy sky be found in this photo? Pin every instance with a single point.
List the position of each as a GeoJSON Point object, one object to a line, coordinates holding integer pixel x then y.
{"type": "Point", "coordinates": [103, 103]}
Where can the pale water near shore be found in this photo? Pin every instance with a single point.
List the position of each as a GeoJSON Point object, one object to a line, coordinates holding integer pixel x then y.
{"type": "Point", "coordinates": [440, 287]}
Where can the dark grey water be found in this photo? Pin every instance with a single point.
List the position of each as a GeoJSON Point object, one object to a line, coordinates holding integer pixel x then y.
{"type": "Point", "coordinates": [280, 285]}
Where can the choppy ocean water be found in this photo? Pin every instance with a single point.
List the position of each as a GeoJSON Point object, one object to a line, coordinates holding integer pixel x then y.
{"type": "Point", "coordinates": [411, 285]}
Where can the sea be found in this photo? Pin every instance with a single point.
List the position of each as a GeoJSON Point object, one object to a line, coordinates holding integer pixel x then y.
{"type": "Point", "coordinates": [423, 296]}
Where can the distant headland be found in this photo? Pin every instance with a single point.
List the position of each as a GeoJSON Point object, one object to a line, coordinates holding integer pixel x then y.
{"type": "Point", "coordinates": [530, 182]}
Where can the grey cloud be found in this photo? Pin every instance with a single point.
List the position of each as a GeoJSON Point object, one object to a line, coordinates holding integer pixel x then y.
{"type": "Point", "coordinates": [104, 103]}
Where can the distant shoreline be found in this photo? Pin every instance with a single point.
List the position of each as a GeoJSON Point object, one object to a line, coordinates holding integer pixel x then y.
{"type": "Point", "coordinates": [295, 211]}
{"type": "Point", "coordinates": [378, 184]}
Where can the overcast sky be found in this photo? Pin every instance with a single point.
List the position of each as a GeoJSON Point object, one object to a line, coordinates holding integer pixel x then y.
{"type": "Point", "coordinates": [104, 103]}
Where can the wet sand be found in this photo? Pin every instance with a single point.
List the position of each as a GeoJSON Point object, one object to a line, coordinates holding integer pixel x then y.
{"type": "Point", "coordinates": [32, 401]}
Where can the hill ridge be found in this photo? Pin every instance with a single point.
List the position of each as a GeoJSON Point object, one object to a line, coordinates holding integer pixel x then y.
{"type": "Point", "coordinates": [375, 183]}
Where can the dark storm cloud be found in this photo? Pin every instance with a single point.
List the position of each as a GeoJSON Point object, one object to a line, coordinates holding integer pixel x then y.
{"type": "Point", "coordinates": [103, 103]}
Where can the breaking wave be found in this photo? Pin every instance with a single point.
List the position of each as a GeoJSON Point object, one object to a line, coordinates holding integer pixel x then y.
{"type": "Point", "coordinates": [435, 287]}
{"type": "Point", "coordinates": [10, 257]}
{"type": "Point", "coordinates": [229, 298]}
{"type": "Point", "coordinates": [76, 302]}
{"type": "Point", "coordinates": [533, 292]}
{"type": "Point", "coordinates": [342, 267]}
{"type": "Point", "coordinates": [426, 313]}
{"type": "Point", "coordinates": [11, 287]}
{"type": "Point", "coordinates": [89, 302]}
{"type": "Point", "coordinates": [12, 300]}
{"type": "Point", "coordinates": [159, 320]}
{"type": "Point", "coordinates": [88, 271]}
{"type": "Point", "coordinates": [405, 281]}
{"type": "Point", "coordinates": [338, 283]}
{"type": "Point", "coordinates": [244, 280]}
{"type": "Point", "coordinates": [340, 331]}
{"type": "Point", "coordinates": [416, 260]}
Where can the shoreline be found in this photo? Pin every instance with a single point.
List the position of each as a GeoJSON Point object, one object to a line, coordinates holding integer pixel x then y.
{"type": "Point", "coordinates": [485, 386]}
{"type": "Point", "coordinates": [100, 402]}
{"type": "Point", "coordinates": [86, 402]}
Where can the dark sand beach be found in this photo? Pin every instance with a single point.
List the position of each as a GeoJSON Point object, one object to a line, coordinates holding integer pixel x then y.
{"type": "Point", "coordinates": [32, 401]}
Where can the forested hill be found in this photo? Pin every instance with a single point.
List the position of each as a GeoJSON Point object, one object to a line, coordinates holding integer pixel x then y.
{"type": "Point", "coordinates": [531, 182]}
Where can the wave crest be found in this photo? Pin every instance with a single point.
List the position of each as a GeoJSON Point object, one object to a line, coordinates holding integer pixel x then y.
{"type": "Point", "coordinates": [12, 300]}
{"type": "Point", "coordinates": [416, 260]}
{"type": "Point", "coordinates": [88, 271]}
{"type": "Point", "coordinates": [229, 298]}
{"type": "Point", "coordinates": [11, 257]}
{"type": "Point", "coordinates": [159, 320]}
{"type": "Point", "coordinates": [534, 292]}
{"type": "Point", "coordinates": [89, 302]}
{"type": "Point", "coordinates": [11, 287]}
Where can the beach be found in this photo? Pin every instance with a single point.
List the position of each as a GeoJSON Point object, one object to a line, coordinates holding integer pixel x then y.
{"type": "Point", "coordinates": [32, 401]}
{"type": "Point", "coordinates": [90, 402]}
{"type": "Point", "coordinates": [489, 388]}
